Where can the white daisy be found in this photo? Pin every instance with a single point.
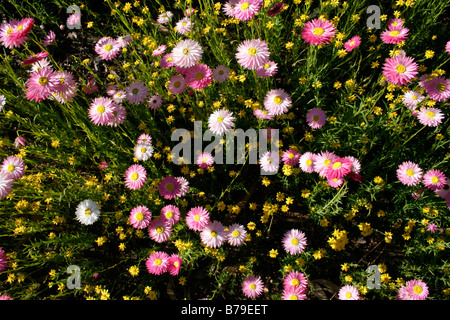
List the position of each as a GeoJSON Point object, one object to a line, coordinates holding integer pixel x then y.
{"type": "Point", "coordinates": [143, 151]}
{"type": "Point", "coordinates": [87, 212]}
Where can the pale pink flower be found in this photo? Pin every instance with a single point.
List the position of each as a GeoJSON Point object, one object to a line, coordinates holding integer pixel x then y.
{"type": "Point", "coordinates": [252, 54]}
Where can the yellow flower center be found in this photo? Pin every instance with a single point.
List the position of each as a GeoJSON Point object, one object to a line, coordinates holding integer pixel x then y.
{"type": "Point", "coordinates": [430, 114]}
{"type": "Point", "coordinates": [352, 43]}
{"type": "Point", "coordinates": [134, 176]}
{"type": "Point", "coordinates": [277, 100]}
{"type": "Point", "coordinates": [291, 156]}
{"type": "Point", "coordinates": [177, 84]}
{"type": "Point", "coordinates": [100, 109]}
{"type": "Point", "coordinates": [348, 295]}
{"type": "Point", "coordinates": [61, 80]}
{"type": "Point", "coordinates": [235, 233]}
{"type": "Point", "coordinates": [435, 179]}
{"type": "Point", "coordinates": [143, 150]}
{"type": "Point", "coordinates": [400, 68]}
{"type": "Point", "coordinates": [170, 187]}
{"type": "Point", "coordinates": [294, 242]}
{"type": "Point", "coordinates": [252, 51]}
{"type": "Point", "coordinates": [159, 229]}
{"type": "Point", "coordinates": [440, 87]}
{"type": "Point", "coordinates": [135, 91]}
{"type": "Point", "coordinates": [108, 47]}
{"type": "Point", "coordinates": [219, 119]}
{"type": "Point", "coordinates": [308, 162]}
{"type": "Point", "coordinates": [409, 172]}
{"type": "Point", "coordinates": [196, 217]}
{"type": "Point", "coordinates": [213, 234]}
{"type": "Point", "coordinates": [185, 52]}
{"type": "Point", "coordinates": [169, 214]}
{"type": "Point", "coordinates": [327, 162]}
{"type": "Point", "coordinates": [414, 97]}
{"type": "Point", "coordinates": [316, 118]}
{"type": "Point", "coordinates": [11, 168]}
{"type": "Point", "coordinates": [269, 160]}
{"type": "Point", "coordinates": [245, 6]}
{"type": "Point", "coordinates": [176, 264]}
{"type": "Point", "coordinates": [253, 286]}
{"type": "Point", "coordinates": [318, 31]}
{"type": "Point", "coordinates": [158, 262]}
{"type": "Point", "coordinates": [204, 160]}
{"type": "Point", "coordinates": [199, 76]}
{"type": "Point", "coordinates": [139, 216]}
{"type": "Point", "coordinates": [43, 81]}
{"type": "Point", "coordinates": [295, 282]}
{"type": "Point", "coordinates": [337, 165]}
{"type": "Point", "coordinates": [417, 289]}
{"type": "Point", "coordinates": [266, 66]}
{"type": "Point", "coordinates": [183, 23]}
{"type": "Point", "coordinates": [221, 72]}
{"type": "Point", "coordinates": [394, 33]}
{"type": "Point", "coordinates": [170, 58]}
{"type": "Point", "coordinates": [9, 31]}
{"type": "Point", "coordinates": [88, 212]}
{"type": "Point", "coordinates": [293, 297]}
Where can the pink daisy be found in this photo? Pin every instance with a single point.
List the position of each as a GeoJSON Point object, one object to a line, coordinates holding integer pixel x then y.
{"type": "Point", "coordinates": [277, 102]}
{"type": "Point", "coordinates": [400, 69]}
{"type": "Point", "coordinates": [220, 121]}
{"type": "Point", "coordinates": [205, 160]}
{"type": "Point", "coordinates": [155, 102]}
{"type": "Point", "coordinates": [197, 218]}
{"type": "Point", "coordinates": [14, 33]}
{"type": "Point", "coordinates": [177, 85]}
{"type": "Point", "coordinates": [417, 289]}
{"type": "Point", "coordinates": [171, 214]}
{"type": "Point", "coordinates": [395, 22]}
{"type": "Point", "coordinates": [6, 184]}
{"type": "Point", "coordinates": [42, 84]}
{"type": "Point", "coordinates": [140, 217]}
{"type": "Point", "coordinates": [213, 235]}
{"type": "Point", "coordinates": [268, 69]}
{"type": "Point", "coordinates": [236, 234]}
{"type": "Point", "coordinates": [221, 73]}
{"type": "Point", "coordinates": [318, 31]}
{"type": "Point", "coordinates": [135, 177]}
{"type": "Point", "coordinates": [119, 96]}
{"type": "Point", "coordinates": [438, 88]}
{"type": "Point", "coordinates": [444, 192]}
{"type": "Point", "coordinates": [294, 241]}
{"type": "Point", "coordinates": [352, 43]}
{"type": "Point", "coordinates": [157, 263]}
{"type": "Point", "coordinates": [229, 8]}
{"type": "Point", "coordinates": [174, 265]}
{"type": "Point", "coordinates": [144, 138]}
{"type": "Point", "coordinates": [322, 161]}
{"type": "Point", "coordinates": [35, 58]}
{"type": "Point", "coordinates": [263, 114]}
{"type": "Point", "coordinates": [165, 17]}
{"type": "Point", "coordinates": [184, 25]}
{"type": "Point", "coordinates": [293, 293]}
{"type": "Point", "coordinates": [295, 279]}
{"type": "Point", "coordinates": [348, 292]}
{"type": "Point", "coordinates": [199, 76]}
{"type": "Point", "coordinates": [159, 50]}
{"type": "Point", "coordinates": [107, 48]}
{"type": "Point", "coordinates": [184, 186]}
{"type": "Point", "coordinates": [246, 9]}
{"type": "Point", "coordinates": [187, 53]}
{"type": "Point", "coordinates": [306, 162]}
{"type": "Point", "coordinates": [431, 117]}
{"type": "Point", "coordinates": [136, 92]}
{"type": "Point", "coordinates": [394, 35]}
{"type": "Point", "coordinates": [20, 141]}
{"type": "Point", "coordinates": [403, 294]}
{"type": "Point", "coordinates": [290, 157]}
{"type": "Point", "coordinates": [189, 12]}
{"type": "Point", "coordinates": [409, 173]}
{"type": "Point", "coordinates": [111, 89]}
{"type": "Point", "coordinates": [3, 260]}
{"type": "Point", "coordinates": [169, 188]}
{"type": "Point", "coordinates": [14, 167]}
{"type": "Point", "coordinates": [316, 118]}
{"type": "Point", "coordinates": [123, 41]}
{"type": "Point", "coordinates": [252, 287]}
{"type": "Point", "coordinates": [434, 179]}
{"type": "Point", "coordinates": [338, 168]}
{"type": "Point", "coordinates": [252, 54]}
{"type": "Point", "coordinates": [101, 110]}
{"type": "Point", "coordinates": [167, 61]}
{"type": "Point", "coordinates": [356, 165]}
{"type": "Point", "coordinates": [67, 87]}
{"type": "Point", "coordinates": [412, 98]}
{"type": "Point", "coordinates": [447, 47]}
{"type": "Point", "coordinates": [49, 39]}
{"type": "Point", "coordinates": [74, 21]}
{"type": "Point", "coordinates": [335, 182]}
{"type": "Point", "coordinates": [269, 162]}
{"type": "Point", "coordinates": [159, 230]}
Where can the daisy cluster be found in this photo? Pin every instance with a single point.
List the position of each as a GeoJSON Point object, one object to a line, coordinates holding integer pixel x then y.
{"type": "Point", "coordinates": [351, 174]}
